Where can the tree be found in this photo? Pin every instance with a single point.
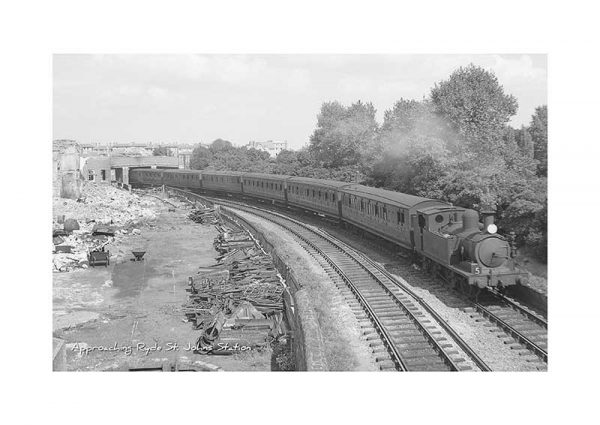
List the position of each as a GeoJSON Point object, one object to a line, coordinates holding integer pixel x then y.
{"type": "Point", "coordinates": [475, 105]}
{"type": "Point", "coordinates": [413, 154]}
{"type": "Point", "coordinates": [201, 158]}
{"type": "Point", "coordinates": [344, 136]}
{"type": "Point", "coordinates": [538, 128]}
{"type": "Point", "coordinates": [525, 143]}
{"type": "Point", "coordinates": [161, 151]}
{"type": "Point", "coordinates": [220, 145]}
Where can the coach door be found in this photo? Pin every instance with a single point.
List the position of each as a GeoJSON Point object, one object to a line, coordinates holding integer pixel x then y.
{"type": "Point", "coordinates": [417, 222]}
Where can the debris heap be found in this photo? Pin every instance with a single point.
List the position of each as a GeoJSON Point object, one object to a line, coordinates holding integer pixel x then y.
{"type": "Point", "coordinates": [240, 299]}
{"type": "Point", "coordinates": [204, 216]}
{"type": "Point", "coordinates": [91, 222]}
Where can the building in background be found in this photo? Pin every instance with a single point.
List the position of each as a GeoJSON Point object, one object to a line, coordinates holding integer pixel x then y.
{"type": "Point", "coordinates": [66, 178]}
{"type": "Point", "coordinates": [273, 147]}
{"type": "Point", "coordinates": [97, 169]}
{"type": "Point", "coordinates": [100, 163]}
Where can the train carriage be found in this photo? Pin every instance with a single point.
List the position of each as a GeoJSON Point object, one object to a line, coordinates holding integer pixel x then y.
{"type": "Point", "coordinates": [222, 181]}
{"type": "Point", "coordinates": [188, 179]}
{"type": "Point", "coordinates": [265, 186]}
{"type": "Point", "coordinates": [314, 194]}
{"type": "Point", "coordinates": [146, 176]}
{"type": "Point", "coordinates": [385, 213]}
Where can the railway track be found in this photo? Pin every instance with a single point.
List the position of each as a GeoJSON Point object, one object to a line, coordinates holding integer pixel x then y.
{"type": "Point", "coordinates": [526, 328]}
{"type": "Point", "coordinates": [400, 334]}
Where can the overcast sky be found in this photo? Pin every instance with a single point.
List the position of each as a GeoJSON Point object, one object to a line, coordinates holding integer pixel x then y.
{"type": "Point", "coordinates": [198, 98]}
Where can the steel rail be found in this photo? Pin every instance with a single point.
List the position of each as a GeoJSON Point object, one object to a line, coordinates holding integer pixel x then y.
{"type": "Point", "coordinates": [533, 317]}
{"type": "Point", "coordinates": [540, 352]}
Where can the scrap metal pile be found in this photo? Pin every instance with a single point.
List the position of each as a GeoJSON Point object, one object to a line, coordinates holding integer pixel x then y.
{"type": "Point", "coordinates": [239, 300]}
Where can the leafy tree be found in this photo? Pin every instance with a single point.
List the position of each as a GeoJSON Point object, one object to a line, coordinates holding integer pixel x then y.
{"type": "Point", "coordinates": [344, 136]}
{"type": "Point", "coordinates": [413, 154]}
{"type": "Point", "coordinates": [201, 157]}
{"type": "Point", "coordinates": [538, 128]}
{"type": "Point", "coordinates": [475, 105]}
{"type": "Point", "coordinates": [525, 143]}
{"type": "Point", "coordinates": [220, 145]}
{"type": "Point", "coordinates": [527, 216]}
{"type": "Point", "coordinates": [161, 151]}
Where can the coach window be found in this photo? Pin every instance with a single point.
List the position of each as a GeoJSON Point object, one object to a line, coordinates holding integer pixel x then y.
{"type": "Point", "coordinates": [401, 217]}
{"type": "Point", "coordinates": [384, 213]}
{"type": "Point", "coordinates": [376, 210]}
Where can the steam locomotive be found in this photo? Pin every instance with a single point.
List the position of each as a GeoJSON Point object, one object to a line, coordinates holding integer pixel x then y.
{"type": "Point", "coordinates": [448, 241]}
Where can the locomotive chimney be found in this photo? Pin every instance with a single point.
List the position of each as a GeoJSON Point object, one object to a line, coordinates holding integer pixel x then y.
{"type": "Point", "coordinates": [470, 220]}
{"type": "Point", "coordinates": [488, 214]}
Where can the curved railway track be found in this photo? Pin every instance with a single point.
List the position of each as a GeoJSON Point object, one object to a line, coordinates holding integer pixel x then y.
{"type": "Point", "coordinates": [401, 336]}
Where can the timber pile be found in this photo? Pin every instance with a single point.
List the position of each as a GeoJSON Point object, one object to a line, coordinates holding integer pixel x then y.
{"type": "Point", "coordinates": [241, 297]}
{"type": "Point", "coordinates": [204, 216]}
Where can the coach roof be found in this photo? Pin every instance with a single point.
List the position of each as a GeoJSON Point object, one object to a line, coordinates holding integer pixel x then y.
{"type": "Point", "coordinates": [386, 196]}
{"type": "Point", "coordinates": [265, 176]}
{"type": "Point", "coordinates": [222, 173]}
{"type": "Point", "coordinates": [179, 171]}
{"type": "Point", "coordinates": [317, 182]}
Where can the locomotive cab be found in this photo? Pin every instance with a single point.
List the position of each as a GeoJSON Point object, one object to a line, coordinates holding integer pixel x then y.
{"type": "Point", "coordinates": [432, 231]}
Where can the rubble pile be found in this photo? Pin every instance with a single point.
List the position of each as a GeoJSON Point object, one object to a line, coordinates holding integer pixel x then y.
{"type": "Point", "coordinates": [105, 204]}
{"type": "Point", "coordinates": [204, 216]}
{"type": "Point", "coordinates": [240, 299]}
{"type": "Point", "coordinates": [91, 222]}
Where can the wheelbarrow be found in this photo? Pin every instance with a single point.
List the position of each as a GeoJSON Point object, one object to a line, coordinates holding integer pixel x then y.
{"type": "Point", "coordinates": [138, 255]}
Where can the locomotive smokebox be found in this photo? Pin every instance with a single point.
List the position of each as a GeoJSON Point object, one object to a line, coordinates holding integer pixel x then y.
{"type": "Point", "coordinates": [470, 220]}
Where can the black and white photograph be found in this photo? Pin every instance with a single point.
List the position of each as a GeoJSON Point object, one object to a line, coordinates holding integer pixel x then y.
{"type": "Point", "coordinates": [300, 212]}
{"type": "Point", "coordinates": [326, 212]}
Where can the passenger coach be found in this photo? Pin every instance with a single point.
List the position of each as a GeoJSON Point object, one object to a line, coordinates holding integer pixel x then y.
{"type": "Point", "coordinates": [222, 181]}
{"type": "Point", "coordinates": [383, 212]}
{"type": "Point", "coordinates": [266, 186]}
